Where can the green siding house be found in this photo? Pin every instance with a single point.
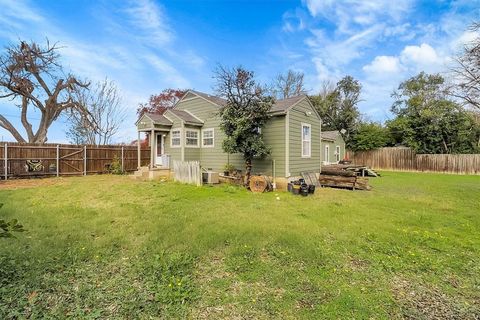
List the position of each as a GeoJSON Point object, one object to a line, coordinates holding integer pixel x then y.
{"type": "Point", "coordinates": [191, 131]}
{"type": "Point", "coordinates": [333, 147]}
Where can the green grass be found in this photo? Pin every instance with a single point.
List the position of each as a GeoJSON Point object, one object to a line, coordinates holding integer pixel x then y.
{"type": "Point", "coordinates": [110, 247]}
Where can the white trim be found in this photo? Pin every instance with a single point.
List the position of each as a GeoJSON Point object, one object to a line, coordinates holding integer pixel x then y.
{"type": "Point", "coordinates": [180, 137]}
{"type": "Point", "coordinates": [309, 155]}
{"type": "Point", "coordinates": [198, 137]}
{"type": "Point", "coordinates": [338, 152]}
{"type": "Point", "coordinates": [287, 144]}
{"type": "Point", "coordinates": [213, 138]}
{"type": "Point", "coordinates": [326, 155]}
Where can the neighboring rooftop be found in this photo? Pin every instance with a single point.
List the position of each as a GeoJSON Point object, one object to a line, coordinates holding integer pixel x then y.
{"type": "Point", "coordinates": [330, 135]}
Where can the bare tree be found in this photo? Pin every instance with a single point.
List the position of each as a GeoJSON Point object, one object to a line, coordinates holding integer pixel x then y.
{"type": "Point", "coordinates": [32, 75]}
{"type": "Point", "coordinates": [467, 72]}
{"type": "Point", "coordinates": [103, 118]}
{"type": "Point", "coordinates": [288, 85]}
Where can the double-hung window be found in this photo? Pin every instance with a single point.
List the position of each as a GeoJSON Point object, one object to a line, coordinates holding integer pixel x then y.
{"type": "Point", "coordinates": [337, 153]}
{"type": "Point", "coordinates": [306, 140]}
{"type": "Point", "coordinates": [191, 138]}
{"type": "Point", "coordinates": [175, 138]}
{"type": "Point", "coordinates": [208, 138]}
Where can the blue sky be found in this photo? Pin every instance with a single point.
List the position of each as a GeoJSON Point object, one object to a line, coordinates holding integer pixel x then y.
{"type": "Point", "coordinates": [146, 45]}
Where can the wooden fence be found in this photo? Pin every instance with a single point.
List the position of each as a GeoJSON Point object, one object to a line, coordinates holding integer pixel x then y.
{"type": "Point", "coordinates": [405, 159]}
{"type": "Point", "coordinates": [32, 160]}
{"type": "Point", "coordinates": [187, 172]}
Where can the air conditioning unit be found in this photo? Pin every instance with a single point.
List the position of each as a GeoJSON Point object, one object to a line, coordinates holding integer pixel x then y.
{"type": "Point", "coordinates": [210, 177]}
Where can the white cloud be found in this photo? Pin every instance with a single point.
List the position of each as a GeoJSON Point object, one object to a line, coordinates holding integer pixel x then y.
{"type": "Point", "coordinates": [149, 17]}
{"type": "Point", "coordinates": [422, 58]}
{"type": "Point", "coordinates": [383, 64]}
{"type": "Point", "coordinates": [349, 14]}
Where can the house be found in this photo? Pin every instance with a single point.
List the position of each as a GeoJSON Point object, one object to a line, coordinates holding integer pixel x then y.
{"type": "Point", "coordinates": [333, 147]}
{"type": "Point", "coordinates": [191, 131]}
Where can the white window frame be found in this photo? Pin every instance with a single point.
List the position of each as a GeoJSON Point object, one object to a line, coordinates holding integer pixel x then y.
{"type": "Point", "coordinates": [212, 130]}
{"type": "Point", "coordinates": [337, 153]}
{"type": "Point", "coordinates": [198, 138]}
{"type": "Point", "coordinates": [179, 138]}
{"type": "Point", "coordinates": [309, 155]}
{"type": "Point", "coordinates": [327, 154]}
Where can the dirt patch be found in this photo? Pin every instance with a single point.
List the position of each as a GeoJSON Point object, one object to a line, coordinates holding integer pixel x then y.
{"type": "Point", "coordinates": [419, 301]}
{"type": "Point", "coordinates": [30, 183]}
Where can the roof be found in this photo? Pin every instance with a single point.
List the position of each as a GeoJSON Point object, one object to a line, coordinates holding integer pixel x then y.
{"type": "Point", "coordinates": [284, 104]}
{"type": "Point", "coordinates": [280, 106]}
{"type": "Point", "coordinates": [214, 99]}
{"type": "Point", "coordinates": [186, 116]}
{"type": "Point", "coordinates": [331, 135]}
{"type": "Point", "coordinates": [158, 119]}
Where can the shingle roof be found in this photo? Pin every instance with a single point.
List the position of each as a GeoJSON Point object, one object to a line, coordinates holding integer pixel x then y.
{"type": "Point", "coordinates": [214, 99]}
{"type": "Point", "coordinates": [284, 104]}
{"type": "Point", "coordinates": [330, 135]}
{"type": "Point", "coordinates": [159, 119]}
{"type": "Point", "coordinates": [279, 106]}
{"type": "Point", "coordinates": [185, 116]}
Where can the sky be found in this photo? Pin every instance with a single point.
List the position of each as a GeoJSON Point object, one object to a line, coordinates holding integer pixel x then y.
{"type": "Point", "coordinates": [145, 46]}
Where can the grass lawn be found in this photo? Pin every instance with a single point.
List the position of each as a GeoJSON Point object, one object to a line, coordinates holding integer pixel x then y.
{"type": "Point", "coordinates": [110, 247]}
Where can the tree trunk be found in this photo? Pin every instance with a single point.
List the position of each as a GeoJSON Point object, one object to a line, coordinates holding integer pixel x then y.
{"type": "Point", "coordinates": [248, 172]}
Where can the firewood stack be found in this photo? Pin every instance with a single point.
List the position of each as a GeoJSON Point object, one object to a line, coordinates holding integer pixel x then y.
{"type": "Point", "coordinates": [340, 178]}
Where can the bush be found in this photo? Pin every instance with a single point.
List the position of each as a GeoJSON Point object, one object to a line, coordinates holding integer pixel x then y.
{"type": "Point", "coordinates": [116, 166]}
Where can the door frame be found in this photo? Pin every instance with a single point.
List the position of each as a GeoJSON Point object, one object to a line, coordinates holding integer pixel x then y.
{"type": "Point", "coordinates": [162, 147]}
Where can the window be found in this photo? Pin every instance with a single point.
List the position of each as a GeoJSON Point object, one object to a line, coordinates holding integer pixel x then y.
{"type": "Point", "coordinates": [191, 138]}
{"type": "Point", "coordinates": [175, 138]}
{"type": "Point", "coordinates": [306, 140]}
{"type": "Point", "coordinates": [326, 156]}
{"type": "Point", "coordinates": [207, 138]}
{"type": "Point", "coordinates": [337, 153]}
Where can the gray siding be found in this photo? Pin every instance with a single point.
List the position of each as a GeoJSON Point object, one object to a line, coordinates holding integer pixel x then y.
{"type": "Point", "coordinates": [297, 116]}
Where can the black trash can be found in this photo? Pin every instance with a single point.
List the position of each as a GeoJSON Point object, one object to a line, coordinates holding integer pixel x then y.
{"type": "Point", "coordinates": [311, 189]}
{"type": "Point", "coordinates": [304, 190]}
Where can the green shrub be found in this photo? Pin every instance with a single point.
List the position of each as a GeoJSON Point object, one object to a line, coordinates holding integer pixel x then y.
{"type": "Point", "coordinates": [7, 227]}
{"type": "Point", "coordinates": [116, 166]}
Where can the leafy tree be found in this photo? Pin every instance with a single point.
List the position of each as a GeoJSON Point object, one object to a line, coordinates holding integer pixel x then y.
{"type": "Point", "coordinates": [105, 115]}
{"type": "Point", "coordinates": [159, 103]}
{"type": "Point", "coordinates": [338, 109]}
{"type": "Point", "coordinates": [288, 85]}
{"type": "Point", "coordinates": [245, 112]}
{"type": "Point", "coordinates": [427, 121]}
{"type": "Point", "coordinates": [369, 136]}
{"type": "Point", "coordinates": [32, 75]}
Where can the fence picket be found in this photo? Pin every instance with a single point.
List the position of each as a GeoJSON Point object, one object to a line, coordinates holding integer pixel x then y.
{"type": "Point", "coordinates": [64, 159]}
{"type": "Point", "coordinates": [405, 159]}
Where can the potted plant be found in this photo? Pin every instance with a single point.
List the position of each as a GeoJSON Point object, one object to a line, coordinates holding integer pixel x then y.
{"type": "Point", "coordinates": [227, 169]}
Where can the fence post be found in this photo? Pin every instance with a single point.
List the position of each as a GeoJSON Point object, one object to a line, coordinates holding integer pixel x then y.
{"type": "Point", "coordinates": [58, 160]}
{"type": "Point", "coordinates": [84, 160]}
{"type": "Point", "coordinates": [123, 168]}
{"type": "Point", "coordinates": [5, 158]}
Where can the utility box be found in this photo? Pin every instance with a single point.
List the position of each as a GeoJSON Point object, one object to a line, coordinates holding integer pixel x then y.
{"type": "Point", "coordinates": [210, 177]}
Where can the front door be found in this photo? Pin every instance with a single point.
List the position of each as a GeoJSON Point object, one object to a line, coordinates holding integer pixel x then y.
{"type": "Point", "coordinates": [159, 149]}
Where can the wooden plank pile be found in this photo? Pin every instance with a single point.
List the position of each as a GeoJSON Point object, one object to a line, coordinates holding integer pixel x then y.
{"type": "Point", "coordinates": [339, 176]}
{"type": "Point", "coordinates": [359, 170]}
